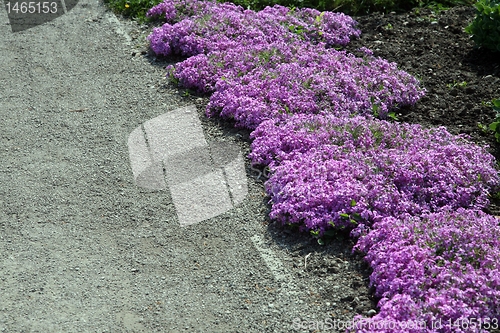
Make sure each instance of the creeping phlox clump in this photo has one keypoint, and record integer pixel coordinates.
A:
(307, 79)
(195, 27)
(442, 269)
(329, 171)
(261, 65)
(412, 196)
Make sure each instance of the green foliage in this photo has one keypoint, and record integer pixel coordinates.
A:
(485, 29)
(495, 125)
(137, 8)
(483, 128)
(392, 115)
(175, 80)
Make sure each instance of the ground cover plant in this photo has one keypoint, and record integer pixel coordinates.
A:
(325, 170)
(439, 268)
(284, 66)
(335, 166)
(194, 27)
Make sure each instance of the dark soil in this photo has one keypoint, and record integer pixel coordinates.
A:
(459, 78)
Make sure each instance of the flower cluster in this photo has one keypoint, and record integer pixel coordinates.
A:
(222, 26)
(440, 268)
(412, 196)
(260, 65)
(325, 170)
(306, 79)
(175, 11)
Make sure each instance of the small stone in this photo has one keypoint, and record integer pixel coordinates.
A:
(347, 299)
(333, 270)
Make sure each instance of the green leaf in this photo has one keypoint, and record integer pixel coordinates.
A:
(344, 215)
(392, 115)
(321, 241)
(353, 203)
(494, 125)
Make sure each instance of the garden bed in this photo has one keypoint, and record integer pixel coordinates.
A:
(334, 169)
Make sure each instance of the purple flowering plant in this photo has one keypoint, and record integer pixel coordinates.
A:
(259, 65)
(311, 79)
(324, 169)
(220, 26)
(412, 196)
(438, 268)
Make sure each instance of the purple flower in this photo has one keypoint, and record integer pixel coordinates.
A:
(444, 266)
(324, 167)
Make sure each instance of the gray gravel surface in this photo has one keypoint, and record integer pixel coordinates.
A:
(83, 249)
